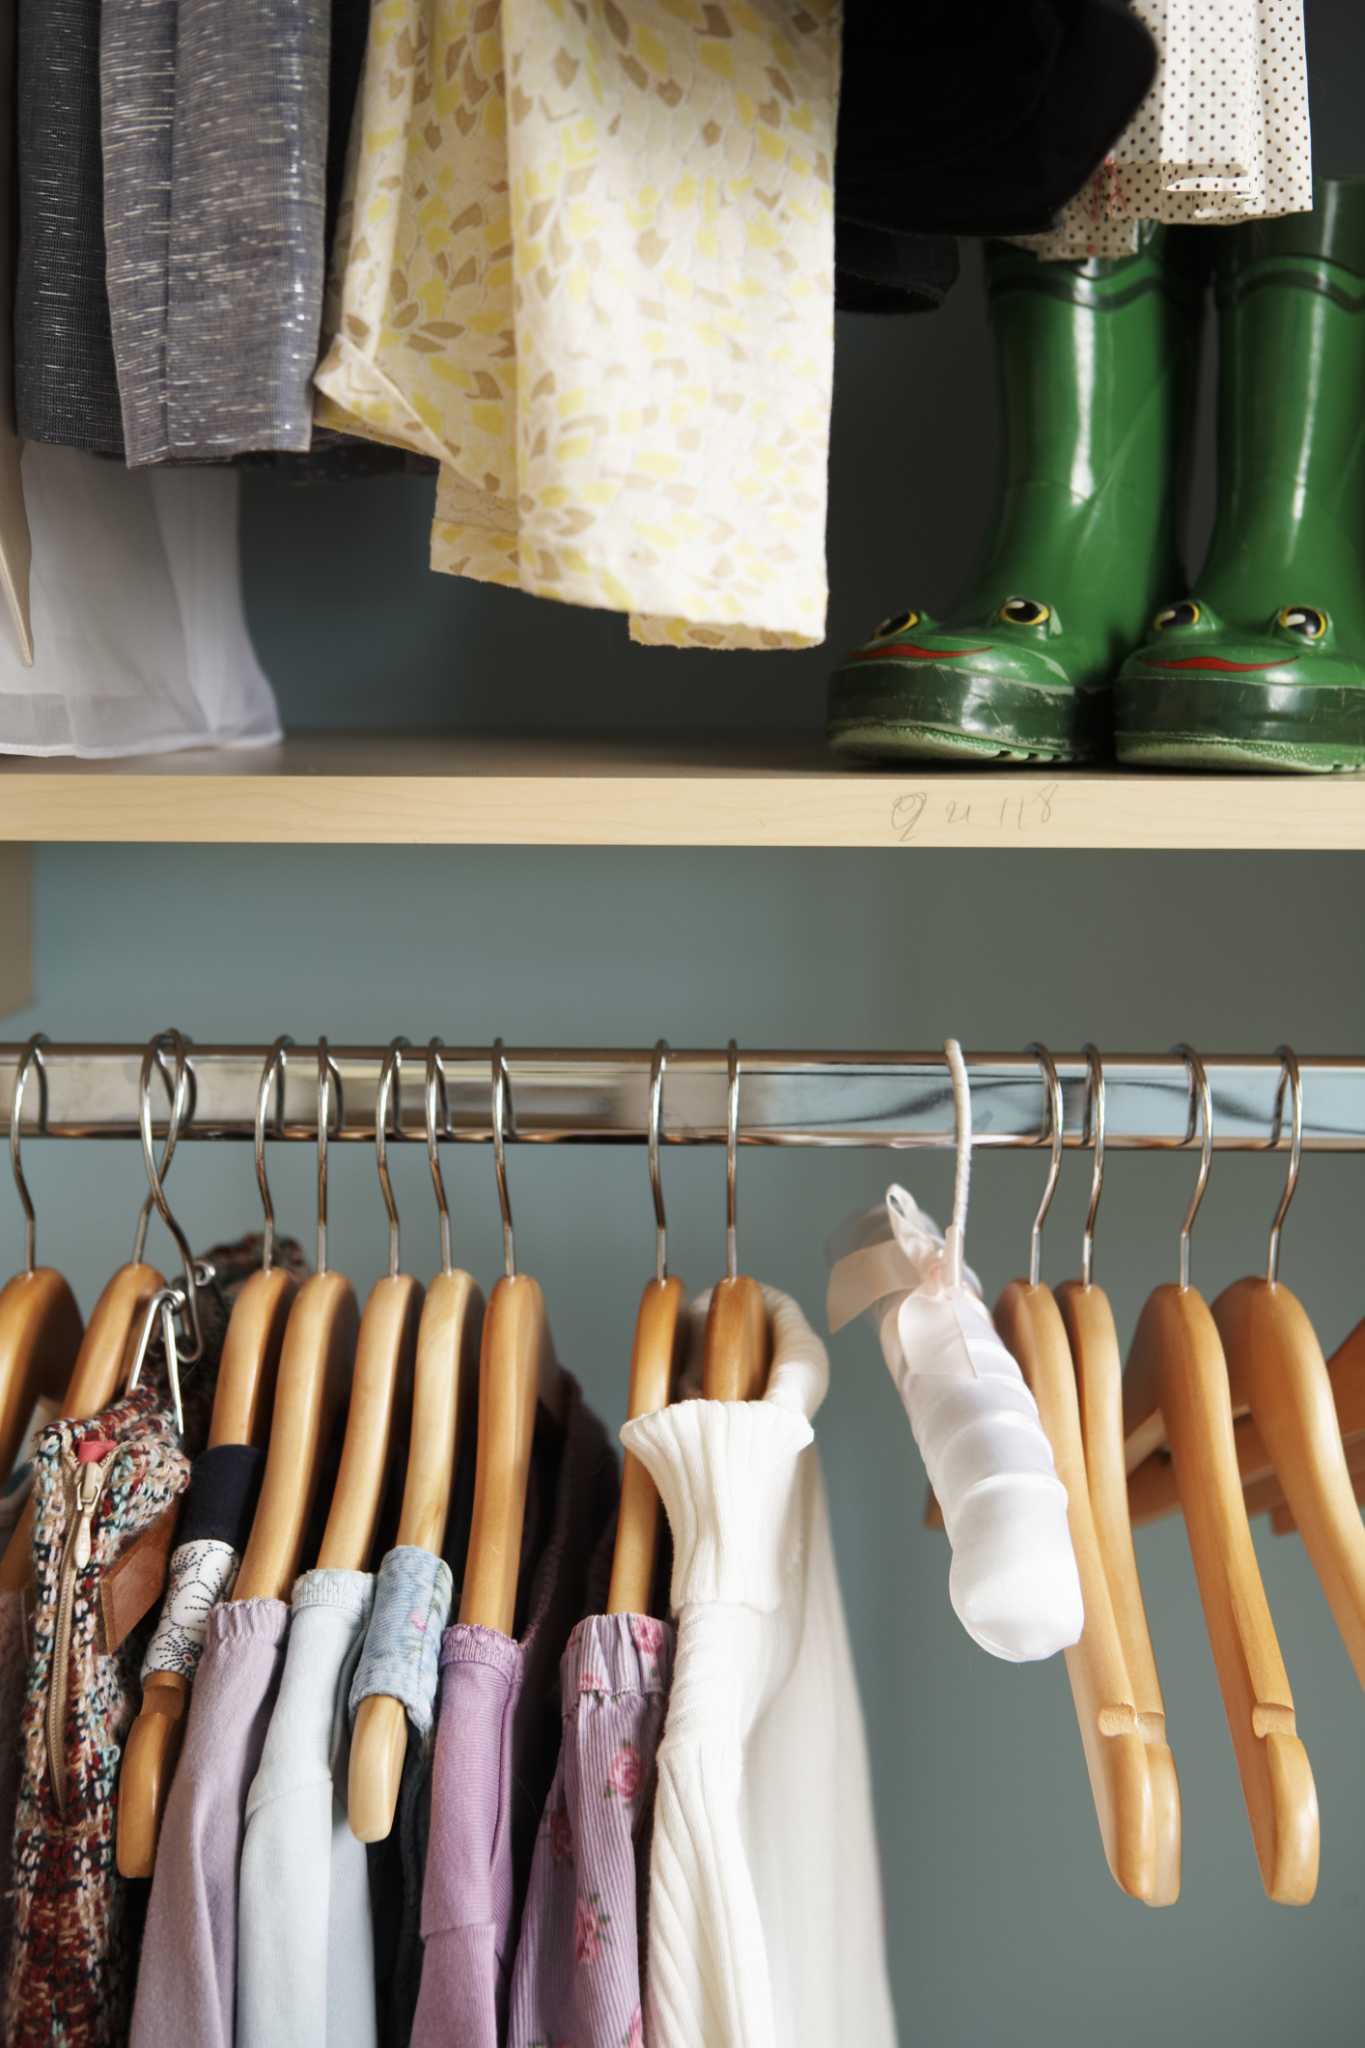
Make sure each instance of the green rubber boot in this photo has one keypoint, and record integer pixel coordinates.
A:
(1096, 363)
(1264, 665)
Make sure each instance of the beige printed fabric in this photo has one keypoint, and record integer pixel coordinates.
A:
(586, 260)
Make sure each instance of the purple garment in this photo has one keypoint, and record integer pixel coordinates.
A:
(496, 1743)
(187, 1981)
(577, 1975)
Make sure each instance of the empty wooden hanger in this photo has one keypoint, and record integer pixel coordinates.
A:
(656, 1362)
(517, 1372)
(737, 1347)
(314, 1368)
(1031, 1326)
(1089, 1324)
(444, 1397)
(1276, 1370)
(1176, 1387)
(105, 1357)
(243, 1392)
(40, 1324)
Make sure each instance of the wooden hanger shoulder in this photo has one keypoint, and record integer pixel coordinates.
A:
(40, 1337)
(1031, 1328)
(315, 1365)
(1177, 1361)
(737, 1347)
(381, 1378)
(444, 1396)
(512, 1358)
(655, 1365)
(250, 1361)
(1093, 1342)
(1276, 1368)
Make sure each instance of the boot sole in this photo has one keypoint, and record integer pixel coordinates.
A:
(931, 713)
(1223, 724)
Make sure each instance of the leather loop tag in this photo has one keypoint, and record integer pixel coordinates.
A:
(137, 1579)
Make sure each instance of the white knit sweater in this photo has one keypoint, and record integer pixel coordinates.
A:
(765, 1911)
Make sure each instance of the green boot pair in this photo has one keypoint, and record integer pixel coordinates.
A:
(1075, 638)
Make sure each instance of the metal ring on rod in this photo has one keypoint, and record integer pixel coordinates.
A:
(731, 1157)
(275, 1063)
(1289, 1072)
(390, 1078)
(656, 1185)
(436, 1082)
(502, 1089)
(1052, 1134)
(151, 1059)
(31, 1058)
(1093, 1134)
(329, 1081)
(1201, 1117)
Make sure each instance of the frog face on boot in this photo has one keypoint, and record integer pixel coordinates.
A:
(1205, 691)
(1000, 689)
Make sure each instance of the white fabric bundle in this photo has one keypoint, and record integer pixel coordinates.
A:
(1222, 135)
(1013, 1580)
(140, 643)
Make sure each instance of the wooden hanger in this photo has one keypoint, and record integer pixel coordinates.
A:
(517, 1371)
(40, 1324)
(444, 1395)
(1176, 1387)
(1094, 1345)
(737, 1347)
(1031, 1328)
(244, 1389)
(656, 1363)
(314, 1370)
(1277, 1370)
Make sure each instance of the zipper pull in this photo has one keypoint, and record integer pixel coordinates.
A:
(92, 1469)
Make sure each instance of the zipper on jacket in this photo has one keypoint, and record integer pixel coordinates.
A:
(87, 1471)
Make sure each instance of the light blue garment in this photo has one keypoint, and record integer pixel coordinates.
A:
(412, 1600)
(305, 1936)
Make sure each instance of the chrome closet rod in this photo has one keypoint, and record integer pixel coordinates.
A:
(600, 1095)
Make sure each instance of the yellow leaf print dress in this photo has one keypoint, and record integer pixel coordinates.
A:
(586, 261)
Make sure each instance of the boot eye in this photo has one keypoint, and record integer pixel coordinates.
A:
(1301, 618)
(897, 623)
(1024, 611)
(1186, 614)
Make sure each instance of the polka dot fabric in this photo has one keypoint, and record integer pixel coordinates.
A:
(1222, 136)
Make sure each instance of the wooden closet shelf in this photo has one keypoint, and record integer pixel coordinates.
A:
(475, 789)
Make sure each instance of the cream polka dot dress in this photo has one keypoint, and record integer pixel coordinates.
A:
(586, 261)
(1222, 135)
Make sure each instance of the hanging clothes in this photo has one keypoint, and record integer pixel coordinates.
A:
(105, 1491)
(765, 1914)
(494, 1760)
(577, 1974)
(305, 1937)
(214, 1524)
(1222, 135)
(586, 262)
(214, 150)
(140, 637)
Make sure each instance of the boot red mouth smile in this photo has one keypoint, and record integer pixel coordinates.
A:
(908, 647)
(1215, 661)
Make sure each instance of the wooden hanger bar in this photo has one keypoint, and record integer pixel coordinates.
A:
(598, 1094)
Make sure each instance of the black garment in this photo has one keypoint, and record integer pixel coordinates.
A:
(969, 117)
(221, 1499)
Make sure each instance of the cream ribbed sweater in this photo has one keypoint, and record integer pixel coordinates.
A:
(765, 1912)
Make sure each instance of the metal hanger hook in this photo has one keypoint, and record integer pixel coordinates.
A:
(1052, 1134)
(390, 1089)
(1094, 1132)
(178, 1098)
(181, 1098)
(329, 1086)
(731, 1157)
(275, 1062)
(436, 1086)
(1289, 1073)
(502, 1091)
(30, 1061)
(656, 1185)
(1201, 1119)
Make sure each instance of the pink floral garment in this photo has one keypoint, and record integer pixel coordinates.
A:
(577, 1980)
